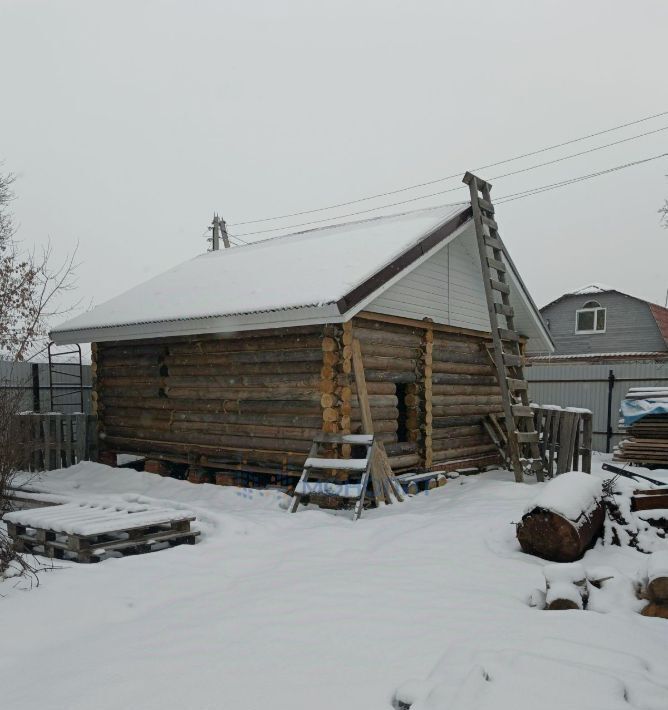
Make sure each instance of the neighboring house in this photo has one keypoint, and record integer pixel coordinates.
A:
(606, 342)
(235, 359)
(600, 319)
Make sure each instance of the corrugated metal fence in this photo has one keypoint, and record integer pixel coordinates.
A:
(599, 386)
(31, 381)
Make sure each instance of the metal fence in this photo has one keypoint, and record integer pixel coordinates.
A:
(31, 382)
(598, 386)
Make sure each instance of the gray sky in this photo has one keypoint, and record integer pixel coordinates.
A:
(129, 122)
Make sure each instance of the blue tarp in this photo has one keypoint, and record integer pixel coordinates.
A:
(634, 409)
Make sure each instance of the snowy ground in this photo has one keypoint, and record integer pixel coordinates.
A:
(277, 611)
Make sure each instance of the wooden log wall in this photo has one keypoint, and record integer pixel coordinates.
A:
(450, 386)
(392, 355)
(464, 392)
(253, 401)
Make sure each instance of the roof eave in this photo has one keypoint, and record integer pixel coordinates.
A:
(308, 315)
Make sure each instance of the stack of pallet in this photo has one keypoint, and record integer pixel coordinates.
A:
(647, 438)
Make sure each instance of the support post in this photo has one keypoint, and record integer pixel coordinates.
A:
(608, 429)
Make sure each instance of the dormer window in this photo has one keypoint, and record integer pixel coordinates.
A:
(590, 318)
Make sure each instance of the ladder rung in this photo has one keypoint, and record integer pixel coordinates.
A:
(512, 360)
(498, 286)
(498, 265)
(517, 385)
(522, 410)
(486, 205)
(527, 437)
(360, 439)
(509, 335)
(490, 222)
(339, 464)
(504, 310)
(494, 243)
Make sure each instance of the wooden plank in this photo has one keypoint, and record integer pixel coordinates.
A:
(46, 428)
(499, 286)
(485, 205)
(517, 385)
(360, 384)
(521, 410)
(67, 435)
(527, 437)
(496, 264)
(504, 310)
(511, 360)
(491, 223)
(587, 426)
(509, 335)
(58, 440)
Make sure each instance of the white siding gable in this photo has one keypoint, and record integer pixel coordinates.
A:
(447, 288)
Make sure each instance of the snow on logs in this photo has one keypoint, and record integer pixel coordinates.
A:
(565, 586)
(657, 585)
(564, 519)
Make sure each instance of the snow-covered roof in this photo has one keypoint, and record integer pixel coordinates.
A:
(317, 276)
(591, 288)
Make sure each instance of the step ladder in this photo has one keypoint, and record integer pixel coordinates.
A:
(316, 478)
(521, 433)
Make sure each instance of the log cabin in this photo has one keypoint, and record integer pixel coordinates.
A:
(231, 362)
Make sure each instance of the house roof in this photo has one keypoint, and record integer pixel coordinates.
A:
(659, 313)
(316, 276)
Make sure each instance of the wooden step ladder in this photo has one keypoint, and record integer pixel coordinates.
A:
(316, 478)
(522, 436)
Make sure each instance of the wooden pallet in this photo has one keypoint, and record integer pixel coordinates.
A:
(86, 532)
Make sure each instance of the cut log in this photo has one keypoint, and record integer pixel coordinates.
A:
(565, 586)
(565, 518)
(657, 577)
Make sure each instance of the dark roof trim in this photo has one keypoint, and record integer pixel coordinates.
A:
(366, 288)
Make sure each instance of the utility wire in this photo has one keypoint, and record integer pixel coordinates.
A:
(450, 177)
(553, 186)
(502, 199)
(451, 189)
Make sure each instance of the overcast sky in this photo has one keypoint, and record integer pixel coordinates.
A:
(129, 122)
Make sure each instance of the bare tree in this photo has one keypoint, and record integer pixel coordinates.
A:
(30, 290)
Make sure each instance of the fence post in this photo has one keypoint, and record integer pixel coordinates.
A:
(608, 429)
(35, 387)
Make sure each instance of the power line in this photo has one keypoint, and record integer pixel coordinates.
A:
(451, 189)
(454, 175)
(511, 197)
(553, 186)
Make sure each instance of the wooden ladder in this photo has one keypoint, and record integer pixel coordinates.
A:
(318, 471)
(522, 436)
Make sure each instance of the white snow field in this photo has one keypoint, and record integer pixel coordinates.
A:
(273, 611)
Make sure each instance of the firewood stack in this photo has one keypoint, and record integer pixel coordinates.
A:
(647, 438)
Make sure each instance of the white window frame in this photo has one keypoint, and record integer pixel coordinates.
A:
(595, 310)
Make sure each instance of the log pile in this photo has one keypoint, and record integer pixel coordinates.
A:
(564, 519)
(646, 443)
